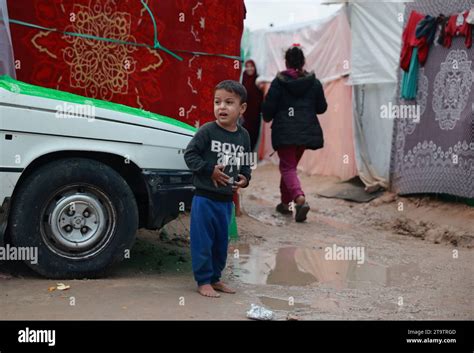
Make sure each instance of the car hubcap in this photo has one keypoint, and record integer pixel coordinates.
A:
(78, 221)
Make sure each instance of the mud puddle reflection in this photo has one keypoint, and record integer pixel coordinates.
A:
(293, 266)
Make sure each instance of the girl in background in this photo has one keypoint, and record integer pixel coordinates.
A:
(294, 99)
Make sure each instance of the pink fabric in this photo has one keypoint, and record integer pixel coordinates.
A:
(326, 44)
(290, 186)
(337, 158)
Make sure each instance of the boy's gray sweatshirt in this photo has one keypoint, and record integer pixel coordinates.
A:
(214, 145)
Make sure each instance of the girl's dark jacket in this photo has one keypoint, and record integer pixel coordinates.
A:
(292, 104)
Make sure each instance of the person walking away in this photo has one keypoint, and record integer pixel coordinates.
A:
(293, 101)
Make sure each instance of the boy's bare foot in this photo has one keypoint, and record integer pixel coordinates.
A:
(207, 290)
(222, 287)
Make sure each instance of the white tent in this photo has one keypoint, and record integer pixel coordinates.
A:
(376, 30)
(361, 40)
(326, 44)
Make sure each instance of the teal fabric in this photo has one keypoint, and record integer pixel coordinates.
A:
(410, 78)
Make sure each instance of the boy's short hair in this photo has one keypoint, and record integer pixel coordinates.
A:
(234, 87)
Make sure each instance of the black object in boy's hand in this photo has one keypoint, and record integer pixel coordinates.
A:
(240, 182)
(219, 177)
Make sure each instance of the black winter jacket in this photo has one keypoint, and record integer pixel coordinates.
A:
(292, 104)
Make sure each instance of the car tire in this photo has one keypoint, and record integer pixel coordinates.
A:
(79, 214)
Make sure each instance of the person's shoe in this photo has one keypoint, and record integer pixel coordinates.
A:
(283, 209)
(301, 212)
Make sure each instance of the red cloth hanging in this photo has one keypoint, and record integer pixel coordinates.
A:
(410, 41)
(135, 76)
(452, 30)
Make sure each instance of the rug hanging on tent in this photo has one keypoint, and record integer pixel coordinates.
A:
(61, 44)
(435, 153)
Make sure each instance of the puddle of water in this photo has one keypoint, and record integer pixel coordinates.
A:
(292, 266)
(250, 264)
(286, 272)
(281, 304)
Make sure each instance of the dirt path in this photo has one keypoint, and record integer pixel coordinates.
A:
(418, 264)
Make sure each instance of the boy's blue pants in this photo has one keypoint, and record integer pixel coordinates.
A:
(209, 238)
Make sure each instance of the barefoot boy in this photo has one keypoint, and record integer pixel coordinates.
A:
(215, 157)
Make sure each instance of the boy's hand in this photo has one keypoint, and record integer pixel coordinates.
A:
(219, 177)
(239, 184)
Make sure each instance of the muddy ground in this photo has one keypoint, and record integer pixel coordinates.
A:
(418, 264)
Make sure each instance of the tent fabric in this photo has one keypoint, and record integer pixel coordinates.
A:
(372, 133)
(376, 29)
(140, 77)
(436, 155)
(376, 41)
(7, 66)
(326, 44)
(337, 157)
(327, 48)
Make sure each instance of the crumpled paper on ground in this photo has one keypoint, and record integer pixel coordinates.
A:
(257, 312)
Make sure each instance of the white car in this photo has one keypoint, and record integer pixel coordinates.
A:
(79, 176)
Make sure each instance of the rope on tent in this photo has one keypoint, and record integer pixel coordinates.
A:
(156, 43)
(159, 46)
(90, 36)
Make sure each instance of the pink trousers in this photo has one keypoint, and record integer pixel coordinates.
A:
(290, 186)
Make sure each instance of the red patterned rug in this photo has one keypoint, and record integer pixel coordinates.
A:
(138, 76)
